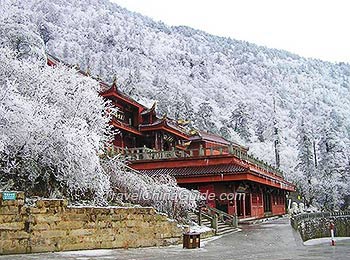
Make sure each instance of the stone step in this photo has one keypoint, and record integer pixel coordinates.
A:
(223, 228)
(226, 231)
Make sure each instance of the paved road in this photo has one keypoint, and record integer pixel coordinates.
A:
(271, 240)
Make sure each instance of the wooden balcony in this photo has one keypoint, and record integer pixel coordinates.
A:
(144, 153)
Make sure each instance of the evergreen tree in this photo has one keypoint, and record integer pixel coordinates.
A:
(239, 120)
(204, 118)
(305, 165)
(333, 163)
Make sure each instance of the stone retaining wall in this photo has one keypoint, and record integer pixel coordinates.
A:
(316, 225)
(51, 225)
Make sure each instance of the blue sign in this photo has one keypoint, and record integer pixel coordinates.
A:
(9, 195)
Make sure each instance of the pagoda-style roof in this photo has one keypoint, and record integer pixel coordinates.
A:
(151, 110)
(125, 127)
(215, 139)
(167, 125)
(204, 136)
(184, 172)
(114, 92)
(211, 168)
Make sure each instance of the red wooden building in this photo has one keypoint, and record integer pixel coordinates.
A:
(157, 145)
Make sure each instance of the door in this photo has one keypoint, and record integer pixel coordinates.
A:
(267, 202)
(248, 205)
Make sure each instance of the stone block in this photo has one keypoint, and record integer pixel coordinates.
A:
(40, 226)
(49, 233)
(16, 203)
(11, 226)
(50, 203)
(43, 248)
(131, 223)
(47, 218)
(103, 224)
(14, 235)
(11, 218)
(70, 225)
(34, 210)
(9, 210)
(70, 216)
(79, 246)
(81, 232)
(110, 244)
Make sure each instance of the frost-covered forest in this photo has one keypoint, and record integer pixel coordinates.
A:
(291, 111)
(53, 135)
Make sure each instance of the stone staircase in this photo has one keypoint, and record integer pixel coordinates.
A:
(215, 219)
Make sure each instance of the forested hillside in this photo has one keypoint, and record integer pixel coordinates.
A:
(291, 111)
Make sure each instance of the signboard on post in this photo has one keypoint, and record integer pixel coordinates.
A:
(8, 195)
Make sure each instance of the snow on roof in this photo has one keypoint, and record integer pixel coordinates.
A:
(209, 137)
(205, 136)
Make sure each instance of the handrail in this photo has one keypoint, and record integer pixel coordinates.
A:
(214, 215)
(144, 153)
(223, 216)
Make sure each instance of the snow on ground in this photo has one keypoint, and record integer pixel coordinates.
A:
(199, 229)
(204, 242)
(93, 252)
(325, 240)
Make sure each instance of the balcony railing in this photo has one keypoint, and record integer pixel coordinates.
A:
(144, 153)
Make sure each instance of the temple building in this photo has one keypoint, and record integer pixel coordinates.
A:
(156, 145)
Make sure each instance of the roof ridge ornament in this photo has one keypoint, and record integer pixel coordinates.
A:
(154, 106)
(114, 83)
(88, 71)
(164, 116)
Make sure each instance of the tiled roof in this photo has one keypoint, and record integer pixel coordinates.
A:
(196, 171)
(204, 136)
(210, 137)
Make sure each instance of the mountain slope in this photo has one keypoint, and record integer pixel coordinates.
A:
(258, 96)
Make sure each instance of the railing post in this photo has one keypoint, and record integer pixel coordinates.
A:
(126, 153)
(201, 151)
(235, 221)
(214, 223)
(200, 216)
(230, 149)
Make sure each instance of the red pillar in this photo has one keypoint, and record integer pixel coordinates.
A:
(243, 206)
(235, 201)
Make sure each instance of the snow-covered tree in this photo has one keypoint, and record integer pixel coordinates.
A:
(239, 120)
(305, 170)
(204, 118)
(333, 163)
(160, 192)
(52, 129)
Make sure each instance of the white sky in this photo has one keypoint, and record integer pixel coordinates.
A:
(310, 28)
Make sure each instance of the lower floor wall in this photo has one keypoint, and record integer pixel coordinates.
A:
(245, 199)
(52, 226)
